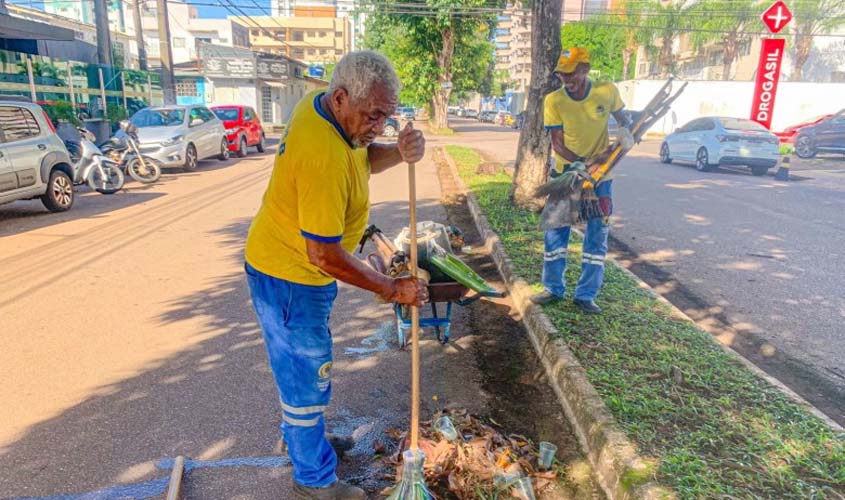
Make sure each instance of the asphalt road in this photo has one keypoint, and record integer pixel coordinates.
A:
(128, 339)
(757, 262)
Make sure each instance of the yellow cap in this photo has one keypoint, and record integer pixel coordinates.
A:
(570, 58)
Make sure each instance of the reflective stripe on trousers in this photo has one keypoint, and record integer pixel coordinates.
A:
(594, 252)
(295, 321)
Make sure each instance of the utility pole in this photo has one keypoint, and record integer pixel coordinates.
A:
(139, 34)
(167, 80)
(101, 19)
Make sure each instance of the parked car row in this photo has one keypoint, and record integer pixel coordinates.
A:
(36, 163)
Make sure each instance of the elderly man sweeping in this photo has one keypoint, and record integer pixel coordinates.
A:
(577, 115)
(314, 212)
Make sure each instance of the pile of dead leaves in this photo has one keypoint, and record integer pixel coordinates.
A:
(465, 468)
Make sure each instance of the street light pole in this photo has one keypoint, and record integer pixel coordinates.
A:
(167, 81)
(101, 17)
(139, 34)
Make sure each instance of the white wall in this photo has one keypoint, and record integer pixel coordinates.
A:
(795, 102)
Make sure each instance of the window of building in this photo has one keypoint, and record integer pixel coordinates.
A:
(298, 36)
(298, 53)
(322, 34)
(338, 34)
(323, 52)
(338, 52)
(187, 88)
(280, 35)
(256, 32)
(311, 52)
(311, 34)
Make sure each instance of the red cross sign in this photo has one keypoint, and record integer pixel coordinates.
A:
(777, 16)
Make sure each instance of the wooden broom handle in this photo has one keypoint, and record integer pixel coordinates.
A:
(415, 315)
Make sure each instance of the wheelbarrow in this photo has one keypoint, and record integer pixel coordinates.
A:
(455, 283)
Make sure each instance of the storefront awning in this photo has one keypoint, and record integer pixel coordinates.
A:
(270, 83)
(15, 28)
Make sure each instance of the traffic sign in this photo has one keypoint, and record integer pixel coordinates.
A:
(777, 16)
(768, 76)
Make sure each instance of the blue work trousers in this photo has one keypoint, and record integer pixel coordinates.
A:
(594, 251)
(295, 322)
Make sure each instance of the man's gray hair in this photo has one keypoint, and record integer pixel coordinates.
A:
(359, 71)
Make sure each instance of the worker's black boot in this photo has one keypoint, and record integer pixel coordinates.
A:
(545, 297)
(338, 491)
(588, 306)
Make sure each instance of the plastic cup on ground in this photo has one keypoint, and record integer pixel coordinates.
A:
(444, 426)
(547, 454)
(523, 489)
(505, 479)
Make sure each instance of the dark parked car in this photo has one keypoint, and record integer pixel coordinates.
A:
(791, 132)
(391, 127)
(827, 136)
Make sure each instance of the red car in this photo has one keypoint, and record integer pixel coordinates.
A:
(789, 133)
(243, 128)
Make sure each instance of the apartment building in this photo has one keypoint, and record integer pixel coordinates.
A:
(313, 40)
(187, 31)
(513, 46)
(345, 9)
(313, 8)
(578, 10)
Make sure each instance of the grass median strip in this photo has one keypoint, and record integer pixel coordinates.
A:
(715, 428)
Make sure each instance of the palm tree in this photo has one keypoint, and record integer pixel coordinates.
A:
(629, 14)
(667, 19)
(724, 21)
(812, 17)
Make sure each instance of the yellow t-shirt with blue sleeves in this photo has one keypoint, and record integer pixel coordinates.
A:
(318, 190)
(584, 122)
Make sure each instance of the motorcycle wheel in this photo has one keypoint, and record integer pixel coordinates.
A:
(110, 185)
(138, 172)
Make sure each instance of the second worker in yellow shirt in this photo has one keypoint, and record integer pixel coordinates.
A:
(577, 116)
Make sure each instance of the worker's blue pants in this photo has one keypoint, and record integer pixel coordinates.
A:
(295, 322)
(594, 251)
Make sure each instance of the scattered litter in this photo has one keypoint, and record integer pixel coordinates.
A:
(375, 343)
(482, 462)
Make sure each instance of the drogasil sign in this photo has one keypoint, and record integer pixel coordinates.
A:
(768, 76)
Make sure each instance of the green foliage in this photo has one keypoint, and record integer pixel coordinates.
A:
(329, 71)
(61, 111)
(715, 428)
(605, 44)
(115, 114)
(414, 43)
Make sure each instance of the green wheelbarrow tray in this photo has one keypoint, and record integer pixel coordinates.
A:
(465, 278)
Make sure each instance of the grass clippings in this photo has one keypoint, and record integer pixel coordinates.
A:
(716, 429)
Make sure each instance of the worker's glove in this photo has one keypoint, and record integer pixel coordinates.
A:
(625, 138)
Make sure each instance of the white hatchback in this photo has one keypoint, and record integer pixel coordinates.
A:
(712, 141)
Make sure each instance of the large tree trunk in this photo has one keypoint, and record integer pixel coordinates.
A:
(666, 58)
(803, 45)
(444, 79)
(532, 157)
(626, 59)
(730, 49)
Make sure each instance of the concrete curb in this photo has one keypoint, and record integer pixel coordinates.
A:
(620, 471)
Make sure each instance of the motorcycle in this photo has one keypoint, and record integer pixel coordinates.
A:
(91, 166)
(123, 149)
